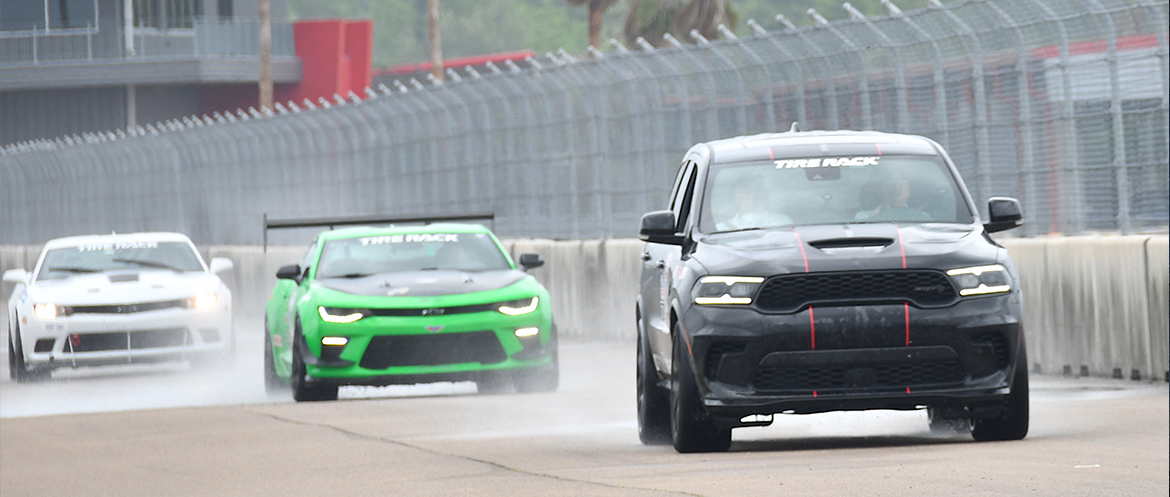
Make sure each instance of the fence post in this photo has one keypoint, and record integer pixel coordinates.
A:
(1163, 55)
(769, 98)
(740, 100)
(1025, 113)
(1068, 117)
(760, 32)
(685, 101)
(940, 88)
(982, 145)
(1120, 166)
(830, 80)
(863, 77)
(899, 66)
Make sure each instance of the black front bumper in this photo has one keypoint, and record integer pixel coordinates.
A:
(855, 358)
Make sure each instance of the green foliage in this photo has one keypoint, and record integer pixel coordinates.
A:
(651, 19)
(474, 27)
(764, 11)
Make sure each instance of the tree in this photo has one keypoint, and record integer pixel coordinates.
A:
(651, 19)
(596, 9)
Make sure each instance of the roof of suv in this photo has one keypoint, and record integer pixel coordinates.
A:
(772, 145)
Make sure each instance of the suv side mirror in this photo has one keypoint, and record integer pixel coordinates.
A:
(530, 260)
(220, 264)
(1005, 214)
(658, 227)
(290, 272)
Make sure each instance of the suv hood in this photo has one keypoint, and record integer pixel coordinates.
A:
(844, 248)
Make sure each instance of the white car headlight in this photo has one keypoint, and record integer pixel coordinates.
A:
(518, 307)
(48, 311)
(981, 280)
(202, 301)
(726, 290)
(338, 315)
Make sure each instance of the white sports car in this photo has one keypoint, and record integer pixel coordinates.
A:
(117, 299)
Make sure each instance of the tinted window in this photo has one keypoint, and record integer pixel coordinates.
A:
(831, 190)
(354, 257)
(105, 256)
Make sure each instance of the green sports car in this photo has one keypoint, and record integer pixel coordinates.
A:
(403, 305)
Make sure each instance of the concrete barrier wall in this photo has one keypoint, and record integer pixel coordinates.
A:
(1093, 305)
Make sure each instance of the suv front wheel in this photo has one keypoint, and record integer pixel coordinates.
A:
(653, 404)
(691, 427)
(1013, 423)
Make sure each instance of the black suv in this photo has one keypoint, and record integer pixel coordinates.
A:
(807, 272)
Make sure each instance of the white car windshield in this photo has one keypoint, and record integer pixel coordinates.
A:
(831, 190)
(364, 256)
(99, 257)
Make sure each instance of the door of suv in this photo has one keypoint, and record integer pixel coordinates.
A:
(658, 262)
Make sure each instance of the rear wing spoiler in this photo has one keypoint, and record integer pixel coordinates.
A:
(333, 222)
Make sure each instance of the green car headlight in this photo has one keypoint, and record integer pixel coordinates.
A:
(725, 290)
(339, 315)
(981, 280)
(519, 307)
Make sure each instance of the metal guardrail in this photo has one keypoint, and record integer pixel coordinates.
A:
(1060, 103)
(205, 38)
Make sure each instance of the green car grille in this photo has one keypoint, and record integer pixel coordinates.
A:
(435, 311)
(432, 350)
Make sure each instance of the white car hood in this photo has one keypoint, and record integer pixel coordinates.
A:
(147, 286)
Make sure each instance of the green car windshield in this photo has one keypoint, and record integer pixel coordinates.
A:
(118, 256)
(364, 256)
(838, 190)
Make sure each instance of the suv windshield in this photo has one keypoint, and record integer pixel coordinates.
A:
(118, 256)
(358, 257)
(831, 190)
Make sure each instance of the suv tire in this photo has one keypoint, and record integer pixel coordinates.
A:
(1013, 423)
(691, 427)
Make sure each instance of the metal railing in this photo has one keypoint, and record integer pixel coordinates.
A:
(1061, 103)
(209, 37)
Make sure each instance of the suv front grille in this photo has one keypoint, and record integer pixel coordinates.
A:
(829, 379)
(793, 292)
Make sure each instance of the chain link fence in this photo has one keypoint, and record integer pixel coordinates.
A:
(1060, 103)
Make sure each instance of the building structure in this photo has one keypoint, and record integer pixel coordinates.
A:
(75, 66)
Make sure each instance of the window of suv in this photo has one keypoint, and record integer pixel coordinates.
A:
(831, 190)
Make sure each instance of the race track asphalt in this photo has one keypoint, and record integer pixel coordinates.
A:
(168, 430)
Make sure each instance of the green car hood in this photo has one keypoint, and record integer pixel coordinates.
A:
(424, 283)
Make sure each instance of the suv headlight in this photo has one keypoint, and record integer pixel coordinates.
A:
(981, 280)
(724, 290)
(339, 315)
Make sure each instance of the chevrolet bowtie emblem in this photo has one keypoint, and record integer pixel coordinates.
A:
(435, 329)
